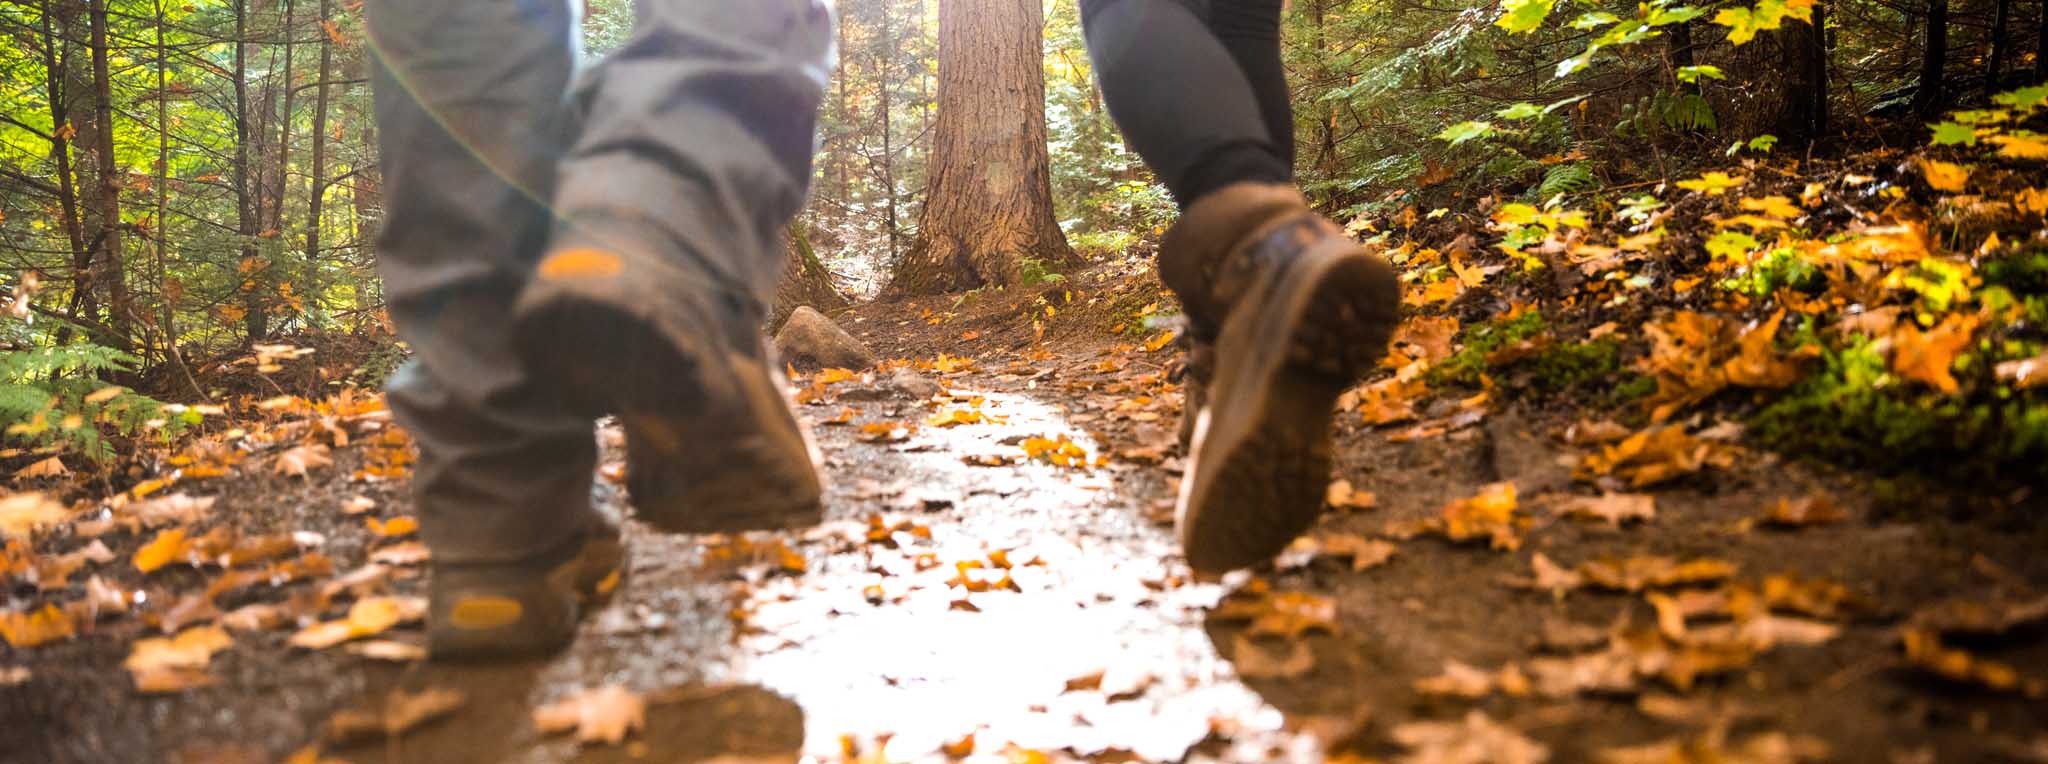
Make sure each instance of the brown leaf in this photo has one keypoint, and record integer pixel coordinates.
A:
(1978, 618)
(299, 460)
(368, 617)
(1614, 508)
(387, 650)
(399, 713)
(605, 714)
(22, 513)
(1711, 746)
(36, 627)
(1341, 496)
(1757, 362)
(1287, 614)
(1930, 356)
(47, 468)
(401, 554)
(1925, 652)
(1364, 553)
(1812, 510)
(171, 664)
(1650, 457)
(1478, 739)
(1464, 681)
(1254, 661)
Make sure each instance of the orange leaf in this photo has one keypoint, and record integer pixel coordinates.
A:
(165, 548)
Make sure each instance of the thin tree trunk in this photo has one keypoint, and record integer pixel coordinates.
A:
(1932, 96)
(1994, 64)
(887, 47)
(2041, 46)
(988, 193)
(60, 153)
(284, 130)
(319, 168)
(109, 269)
(1679, 45)
(1804, 61)
(254, 323)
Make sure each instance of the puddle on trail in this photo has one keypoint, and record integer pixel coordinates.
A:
(1025, 603)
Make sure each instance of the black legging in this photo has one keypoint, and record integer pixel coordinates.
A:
(1197, 88)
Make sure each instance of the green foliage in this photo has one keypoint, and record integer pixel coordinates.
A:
(1035, 272)
(1480, 341)
(1783, 268)
(51, 398)
(1573, 178)
(1855, 411)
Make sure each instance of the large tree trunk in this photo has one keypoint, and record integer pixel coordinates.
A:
(988, 198)
(1804, 53)
(805, 280)
(1932, 96)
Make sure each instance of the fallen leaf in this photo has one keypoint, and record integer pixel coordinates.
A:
(1364, 553)
(171, 664)
(387, 650)
(392, 528)
(1489, 515)
(160, 551)
(36, 627)
(1465, 681)
(299, 460)
(606, 714)
(1711, 746)
(1340, 495)
(1981, 618)
(1812, 510)
(1930, 356)
(402, 554)
(1478, 739)
(1925, 651)
(357, 505)
(47, 468)
(1288, 615)
(367, 617)
(1613, 508)
(1650, 457)
(1254, 661)
(22, 513)
(1943, 176)
(399, 712)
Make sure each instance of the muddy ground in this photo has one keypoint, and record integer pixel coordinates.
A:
(962, 586)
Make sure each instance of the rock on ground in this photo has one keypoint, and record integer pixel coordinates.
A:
(809, 340)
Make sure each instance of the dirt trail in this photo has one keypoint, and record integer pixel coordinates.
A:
(974, 579)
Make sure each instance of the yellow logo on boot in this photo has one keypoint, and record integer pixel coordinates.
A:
(581, 263)
(485, 613)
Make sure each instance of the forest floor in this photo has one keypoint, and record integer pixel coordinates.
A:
(1585, 512)
(981, 592)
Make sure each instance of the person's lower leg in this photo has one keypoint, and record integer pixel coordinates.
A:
(1180, 98)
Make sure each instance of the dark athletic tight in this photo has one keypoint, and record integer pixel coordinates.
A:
(1197, 88)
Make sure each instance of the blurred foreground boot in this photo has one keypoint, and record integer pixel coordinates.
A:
(1293, 312)
(711, 442)
(525, 608)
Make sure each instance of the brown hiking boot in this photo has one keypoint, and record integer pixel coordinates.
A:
(712, 444)
(521, 609)
(1296, 312)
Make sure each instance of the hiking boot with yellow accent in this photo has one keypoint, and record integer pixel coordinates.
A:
(712, 443)
(522, 609)
(1296, 312)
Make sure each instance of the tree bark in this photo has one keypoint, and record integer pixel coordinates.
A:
(1804, 53)
(1994, 64)
(319, 168)
(108, 266)
(255, 325)
(60, 153)
(805, 280)
(1932, 96)
(884, 52)
(284, 120)
(988, 194)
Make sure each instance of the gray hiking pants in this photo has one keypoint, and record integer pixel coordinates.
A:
(698, 133)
